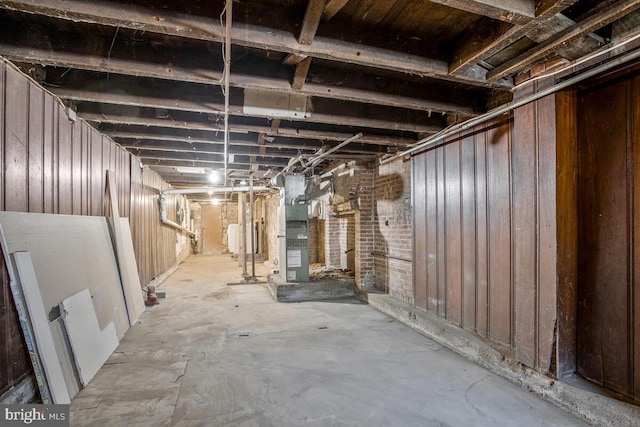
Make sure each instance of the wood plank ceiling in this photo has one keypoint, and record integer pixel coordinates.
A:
(149, 74)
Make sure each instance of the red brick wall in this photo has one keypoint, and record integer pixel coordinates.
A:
(392, 230)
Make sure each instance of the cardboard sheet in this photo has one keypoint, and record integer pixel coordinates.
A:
(91, 346)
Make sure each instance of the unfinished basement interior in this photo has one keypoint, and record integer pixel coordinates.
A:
(321, 212)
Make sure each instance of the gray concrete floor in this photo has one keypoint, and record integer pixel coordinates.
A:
(218, 355)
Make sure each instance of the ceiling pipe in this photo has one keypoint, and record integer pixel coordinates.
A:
(207, 190)
(315, 160)
(433, 141)
(166, 221)
(227, 70)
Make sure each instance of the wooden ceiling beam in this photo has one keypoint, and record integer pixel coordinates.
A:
(243, 129)
(131, 67)
(311, 21)
(136, 149)
(484, 42)
(299, 77)
(137, 139)
(604, 17)
(517, 12)
(207, 158)
(333, 7)
(330, 112)
(210, 29)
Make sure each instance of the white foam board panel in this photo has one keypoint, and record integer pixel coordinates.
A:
(129, 271)
(91, 346)
(40, 323)
(70, 253)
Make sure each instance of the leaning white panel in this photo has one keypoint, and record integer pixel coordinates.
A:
(70, 253)
(129, 272)
(39, 320)
(91, 346)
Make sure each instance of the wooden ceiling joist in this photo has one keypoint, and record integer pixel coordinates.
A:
(482, 43)
(209, 29)
(332, 7)
(614, 12)
(323, 112)
(243, 129)
(312, 17)
(133, 67)
(517, 12)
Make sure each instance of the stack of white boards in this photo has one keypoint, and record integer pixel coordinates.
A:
(79, 300)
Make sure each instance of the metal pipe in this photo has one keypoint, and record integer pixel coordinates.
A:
(227, 71)
(251, 219)
(431, 141)
(314, 161)
(243, 233)
(166, 221)
(205, 190)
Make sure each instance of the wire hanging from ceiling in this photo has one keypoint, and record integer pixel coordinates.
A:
(227, 13)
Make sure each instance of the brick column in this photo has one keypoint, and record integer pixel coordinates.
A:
(365, 277)
(332, 241)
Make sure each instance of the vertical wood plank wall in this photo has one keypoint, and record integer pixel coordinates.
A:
(485, 208)
(464, 272)
(51, 165)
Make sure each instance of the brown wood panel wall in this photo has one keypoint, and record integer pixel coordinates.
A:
(51, 165)
(462, 199)
(535, 241)
(155, 243)
(608, 232)
(489, 223)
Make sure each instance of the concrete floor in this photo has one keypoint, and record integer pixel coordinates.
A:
(218, 355)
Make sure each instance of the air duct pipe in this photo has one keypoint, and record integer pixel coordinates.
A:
(207, 190)
(202, 190)
(166, 221)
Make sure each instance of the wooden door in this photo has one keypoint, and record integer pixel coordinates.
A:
(608, 325)
(211, 229)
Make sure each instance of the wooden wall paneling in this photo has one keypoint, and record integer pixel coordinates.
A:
(85, 172)
(431, 215)
(420, 257)
(97, 175)
(635, 288)
(525, 215)
(603, 237)
(441, 235)
(500, 257)
(4, 282)
(65, 196)
(482, 236)
(55, 156)
(547, 232)
(35, 163)
(453, 232)
(76, 168)
(3, 119)
(567, 230)
(48, 150)
(105, 143)
(16, 364)
(5, 337)
(125, 180)
(469, 232)
(16, 143)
